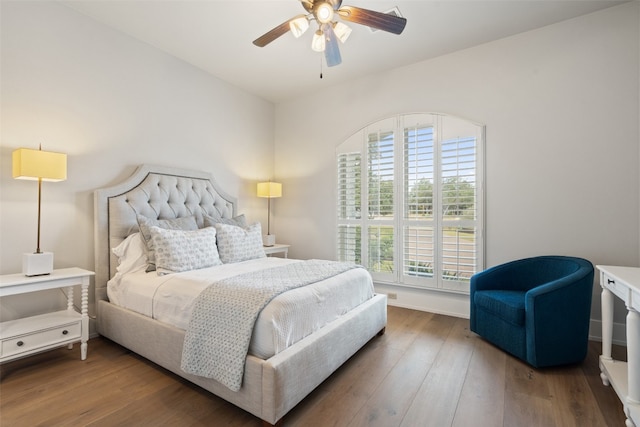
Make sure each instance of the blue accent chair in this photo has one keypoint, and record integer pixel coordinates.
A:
(537, 309)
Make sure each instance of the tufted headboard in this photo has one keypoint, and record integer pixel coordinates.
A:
(156, 192)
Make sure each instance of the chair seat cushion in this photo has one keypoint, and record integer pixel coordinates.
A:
(507, 305)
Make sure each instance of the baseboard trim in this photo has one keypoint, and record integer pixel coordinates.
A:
(619, 332)
(447, 303)
(457, 305)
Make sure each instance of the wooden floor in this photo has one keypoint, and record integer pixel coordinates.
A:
(427, 370)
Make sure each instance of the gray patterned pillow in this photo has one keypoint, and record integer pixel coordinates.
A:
(184, 250)
(237, 244)
(184, 223)
(240, 221)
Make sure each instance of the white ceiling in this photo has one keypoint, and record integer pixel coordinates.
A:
(217, 35)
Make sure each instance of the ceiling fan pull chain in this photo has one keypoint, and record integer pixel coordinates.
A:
(321, 66)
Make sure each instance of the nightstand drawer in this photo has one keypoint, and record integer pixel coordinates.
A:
(40, 339)
(619, 289)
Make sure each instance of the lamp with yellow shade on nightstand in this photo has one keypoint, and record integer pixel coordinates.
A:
(270, 190)
(39, 166)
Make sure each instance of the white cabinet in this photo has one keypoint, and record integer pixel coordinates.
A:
(624, 377)
(29, 335)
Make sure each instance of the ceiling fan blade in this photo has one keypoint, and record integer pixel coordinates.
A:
(278, 31)
(378, 20)
(331, 51)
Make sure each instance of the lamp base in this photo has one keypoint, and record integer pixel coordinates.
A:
(268, 239)
(37, 264)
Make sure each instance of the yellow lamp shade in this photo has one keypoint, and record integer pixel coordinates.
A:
(269, 189)
(38, 164)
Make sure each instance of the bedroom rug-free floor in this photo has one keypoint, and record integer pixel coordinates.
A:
(426, 370)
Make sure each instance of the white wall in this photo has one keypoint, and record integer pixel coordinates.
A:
(111, 103)
(561, 109)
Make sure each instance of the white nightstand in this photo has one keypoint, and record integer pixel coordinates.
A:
(277, 249)
(29, 335)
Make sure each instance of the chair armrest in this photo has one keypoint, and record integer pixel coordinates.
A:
(557, 317)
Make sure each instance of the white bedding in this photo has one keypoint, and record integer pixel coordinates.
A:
(285, 320)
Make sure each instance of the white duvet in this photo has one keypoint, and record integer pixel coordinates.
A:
(287, 319)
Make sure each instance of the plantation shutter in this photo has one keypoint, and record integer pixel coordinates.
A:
(381, 203)
(460, 203)
(418, 257)
(410, 201)
(349, 207)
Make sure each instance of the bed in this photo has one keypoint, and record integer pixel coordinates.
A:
(271, 386)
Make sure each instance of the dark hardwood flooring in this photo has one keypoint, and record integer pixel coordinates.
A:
(427, 370)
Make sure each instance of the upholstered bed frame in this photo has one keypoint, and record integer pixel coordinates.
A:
(272, 387)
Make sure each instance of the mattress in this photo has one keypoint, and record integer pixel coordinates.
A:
(287, 319)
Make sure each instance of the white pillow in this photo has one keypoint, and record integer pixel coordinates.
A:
(237, 244)
(131, 253)
(182, 223)
(184, 250)
(210, 221)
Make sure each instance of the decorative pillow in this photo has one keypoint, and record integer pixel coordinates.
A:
(240, 221)
(237, 244)
(131, 253)
(184, 250)
(184, 223)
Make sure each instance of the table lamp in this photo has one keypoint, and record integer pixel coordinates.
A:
(39, 166)
(270, 190)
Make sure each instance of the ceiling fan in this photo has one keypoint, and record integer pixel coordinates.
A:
(326, 37)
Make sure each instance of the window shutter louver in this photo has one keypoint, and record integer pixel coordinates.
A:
(380, 232)
(458, 159)
(349, 244)
(349, 207)
(418, 252)
(418, 172)
(381, 173)
(349, 186)
(458, 178)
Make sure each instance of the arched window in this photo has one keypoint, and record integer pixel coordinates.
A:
(410, 200)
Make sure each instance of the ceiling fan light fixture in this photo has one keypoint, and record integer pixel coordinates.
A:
(318, 43)
(325, 38)
(324, 13)
(298, 26)
(341, 31)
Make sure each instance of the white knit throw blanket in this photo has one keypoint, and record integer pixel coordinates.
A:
(219, 332)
